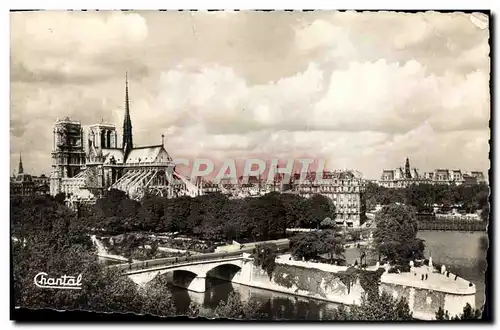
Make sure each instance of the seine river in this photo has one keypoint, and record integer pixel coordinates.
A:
(463, 253)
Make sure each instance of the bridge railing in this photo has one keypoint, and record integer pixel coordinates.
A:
(194, 258)
(148, 267)
(175, 260)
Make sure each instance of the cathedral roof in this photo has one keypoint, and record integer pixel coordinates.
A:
(23, 178)
(112, 152)
(146, 154)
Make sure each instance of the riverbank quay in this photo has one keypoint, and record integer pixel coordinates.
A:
(344, 285)
(450, 225)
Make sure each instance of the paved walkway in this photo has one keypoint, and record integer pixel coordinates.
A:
(102, 252)
(435, 281)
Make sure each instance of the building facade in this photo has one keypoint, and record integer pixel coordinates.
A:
(344, 188)
(22, 184)
(68, 154)
(403, 177)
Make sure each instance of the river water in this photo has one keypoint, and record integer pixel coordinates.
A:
(463, 253)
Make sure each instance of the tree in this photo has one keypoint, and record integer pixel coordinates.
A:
(154, 249)
(151, 212)
(234, 308)
(265, 257)
(116, 213)
(305, 245)
(355, 234)
(311, 245)
(379, 308)
(277, 214)
(294, 212)
(60, 197)
(48, 240)
(485, 212)
(328, 223)
(157, 299)
(424, 196)
(240, 224)
(442, 315)
(331, 243)
(395, 237)
(209, 213)
(468, 314)
(420, 196)
(316, 208)
(193, 310)
(177, 211)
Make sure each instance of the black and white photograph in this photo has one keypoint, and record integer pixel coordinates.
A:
(251, 165)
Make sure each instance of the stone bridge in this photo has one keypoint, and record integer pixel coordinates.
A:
(189, 273)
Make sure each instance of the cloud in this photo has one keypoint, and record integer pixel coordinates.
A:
(347, 87)
(63, 45)
(438, 41)
(371, 96)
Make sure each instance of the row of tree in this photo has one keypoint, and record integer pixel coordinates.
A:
(395, 239)
(212, 217)
(471, 198)
(47, 237)
(312, 245)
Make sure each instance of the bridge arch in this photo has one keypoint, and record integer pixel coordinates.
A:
(190, 275)
(224, 272)
(182, 278)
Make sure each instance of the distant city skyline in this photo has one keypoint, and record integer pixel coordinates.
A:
(346, 87)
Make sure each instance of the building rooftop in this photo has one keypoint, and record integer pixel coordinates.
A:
(67, 120)
(23, 177)
(146, 154)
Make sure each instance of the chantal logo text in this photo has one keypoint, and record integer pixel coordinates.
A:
(42, 280)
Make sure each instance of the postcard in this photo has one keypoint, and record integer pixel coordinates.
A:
(256, 165)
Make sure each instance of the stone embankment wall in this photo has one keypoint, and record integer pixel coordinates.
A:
(322, 281)
(424, 303)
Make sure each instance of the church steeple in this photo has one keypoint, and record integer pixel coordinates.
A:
(127, 124)
(20, 169)
(407, 169)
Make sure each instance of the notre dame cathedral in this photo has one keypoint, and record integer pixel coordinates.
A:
(84, 170)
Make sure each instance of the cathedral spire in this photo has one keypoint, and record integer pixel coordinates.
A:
(127, 123)
(20, 169)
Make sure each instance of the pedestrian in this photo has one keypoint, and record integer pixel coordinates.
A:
(456, 276)
(422, 277)
(426, 276)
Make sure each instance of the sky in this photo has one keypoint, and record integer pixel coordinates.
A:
(361, 90)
